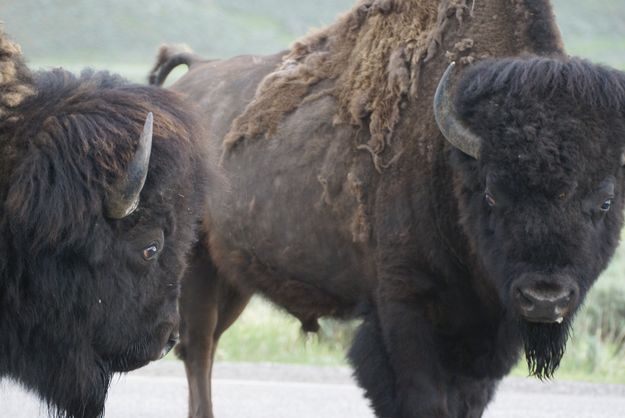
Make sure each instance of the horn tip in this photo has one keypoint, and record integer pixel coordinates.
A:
(450, 67)
(147, 127)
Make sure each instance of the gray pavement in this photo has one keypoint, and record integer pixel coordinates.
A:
(279, 391)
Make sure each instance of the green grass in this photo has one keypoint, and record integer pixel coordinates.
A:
(265, 334)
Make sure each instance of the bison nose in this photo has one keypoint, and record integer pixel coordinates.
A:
(542, 301)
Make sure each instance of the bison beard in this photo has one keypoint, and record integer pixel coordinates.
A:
(90, 402)
(545, 345)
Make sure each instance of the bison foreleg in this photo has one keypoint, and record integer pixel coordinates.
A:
(371, 365)
(420, 386)
(469, 397)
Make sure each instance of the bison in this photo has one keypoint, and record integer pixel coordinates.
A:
(463, 216)
(102, 185)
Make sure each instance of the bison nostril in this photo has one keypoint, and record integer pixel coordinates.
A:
(525, 302)
(572, 294)
(567, 299)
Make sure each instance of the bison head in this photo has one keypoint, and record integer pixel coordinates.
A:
(101, 195)
(538, 152)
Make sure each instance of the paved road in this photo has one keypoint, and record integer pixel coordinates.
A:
(263, 391)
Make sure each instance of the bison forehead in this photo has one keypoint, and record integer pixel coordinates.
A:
(540, 79)
(544, 118)
(550, 151)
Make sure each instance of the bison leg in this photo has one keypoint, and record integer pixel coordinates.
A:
(208, 306)
(472, 396)
(371, 360)
(371, 365)
(420, 386)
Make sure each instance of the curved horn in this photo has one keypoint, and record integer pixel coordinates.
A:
(123, 198)
(448, 121)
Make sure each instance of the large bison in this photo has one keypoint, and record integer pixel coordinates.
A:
(462, 233)
(101, 189)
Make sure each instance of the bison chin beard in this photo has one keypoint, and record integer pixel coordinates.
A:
(545, 345)
(78, 392)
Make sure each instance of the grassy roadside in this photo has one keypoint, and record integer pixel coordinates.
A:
(266, 334)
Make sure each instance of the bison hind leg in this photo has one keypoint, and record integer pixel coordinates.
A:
(372, 368)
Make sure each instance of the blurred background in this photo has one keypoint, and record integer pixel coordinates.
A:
(123, 36)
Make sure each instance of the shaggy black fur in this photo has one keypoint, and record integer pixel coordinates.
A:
(553, 136)
(544, 346)
(78, 301)
(371, 365)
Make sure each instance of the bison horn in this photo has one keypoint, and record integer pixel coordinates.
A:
(450, 125)
(123, 198)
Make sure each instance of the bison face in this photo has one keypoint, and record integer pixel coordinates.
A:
(97, 222)
(542, 190)
(142, 325)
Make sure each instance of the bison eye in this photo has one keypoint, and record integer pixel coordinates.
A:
(490, 199)
(150, 252)
(606, 205)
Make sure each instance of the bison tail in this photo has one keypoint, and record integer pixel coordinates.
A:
(168, 58)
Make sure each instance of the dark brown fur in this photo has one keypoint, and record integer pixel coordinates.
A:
(405, 241)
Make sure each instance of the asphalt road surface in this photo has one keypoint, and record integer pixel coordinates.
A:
(277, 391)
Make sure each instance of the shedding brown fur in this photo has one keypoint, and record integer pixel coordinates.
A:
(373, 53)
(373, 57)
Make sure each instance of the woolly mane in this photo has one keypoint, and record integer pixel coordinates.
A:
(15, 80)
(373, 57)
(370, 53)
